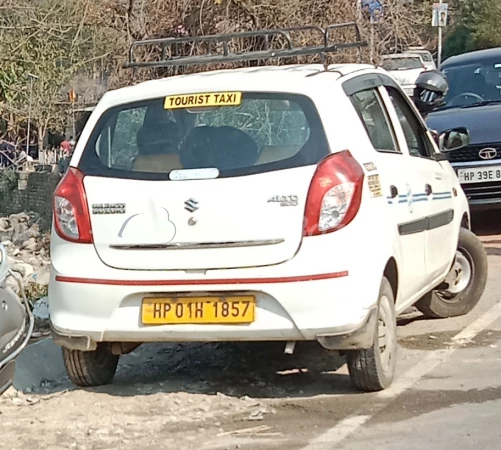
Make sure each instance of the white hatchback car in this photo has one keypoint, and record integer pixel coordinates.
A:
(280, 203)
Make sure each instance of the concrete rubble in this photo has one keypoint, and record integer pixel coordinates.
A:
(29, 256)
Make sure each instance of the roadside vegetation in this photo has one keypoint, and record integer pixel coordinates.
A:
(476, 26)
(82, 44)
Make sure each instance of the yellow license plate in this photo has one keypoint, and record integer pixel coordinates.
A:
(195, 310)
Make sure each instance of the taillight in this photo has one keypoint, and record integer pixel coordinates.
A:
(71, 213)
(335, 194)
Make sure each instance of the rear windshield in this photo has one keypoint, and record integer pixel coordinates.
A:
(402, 63)
(424, 55)
(236, 133)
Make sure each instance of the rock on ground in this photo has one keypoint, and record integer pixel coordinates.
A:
(27, 248)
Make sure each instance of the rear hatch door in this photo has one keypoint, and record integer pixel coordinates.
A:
(204, 186)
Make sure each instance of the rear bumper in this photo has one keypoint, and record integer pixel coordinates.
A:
(325, 310)
(328, 297)
(349, 337)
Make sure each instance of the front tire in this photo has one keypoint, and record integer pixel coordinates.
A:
(466, 281)
(374, 369)
(93, 368)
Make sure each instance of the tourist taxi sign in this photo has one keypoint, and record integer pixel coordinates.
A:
(203, 100)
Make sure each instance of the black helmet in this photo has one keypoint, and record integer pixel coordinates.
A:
(430, 91)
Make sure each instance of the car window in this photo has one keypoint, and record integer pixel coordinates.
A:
(263, 132)
(425, 56)
(372, 113)
(473, 83)
(415, 134)
(117, 147)
(402, 63)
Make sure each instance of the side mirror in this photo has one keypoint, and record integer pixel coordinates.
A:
(454, 139)
(436, 137)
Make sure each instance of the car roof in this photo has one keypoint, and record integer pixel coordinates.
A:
(473, 57)
(287, 78)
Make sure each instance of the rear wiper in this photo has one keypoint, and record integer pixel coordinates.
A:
(482, 103)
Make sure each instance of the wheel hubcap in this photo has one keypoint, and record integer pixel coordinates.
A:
(460, 275)
(386, 333)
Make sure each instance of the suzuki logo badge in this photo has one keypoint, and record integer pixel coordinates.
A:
(191, 205)
(488, 153)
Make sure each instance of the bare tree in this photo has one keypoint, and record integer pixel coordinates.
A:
(53, 40)
(72, 43)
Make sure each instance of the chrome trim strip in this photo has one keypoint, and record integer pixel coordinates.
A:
(198, 245)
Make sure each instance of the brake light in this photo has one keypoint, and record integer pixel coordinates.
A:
(71, 213)
(335, 194)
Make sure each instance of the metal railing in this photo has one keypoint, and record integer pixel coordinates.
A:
(19, 161)
(49, 156)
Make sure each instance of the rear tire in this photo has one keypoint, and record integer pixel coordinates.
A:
(471, 264)
(374, 369)
(94, 368)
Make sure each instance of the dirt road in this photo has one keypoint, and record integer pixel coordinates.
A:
(253, 396)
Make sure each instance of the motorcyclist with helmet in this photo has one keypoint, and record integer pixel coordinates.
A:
(430, 91)
(429, 94)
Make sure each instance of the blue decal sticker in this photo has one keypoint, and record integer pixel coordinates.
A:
(442, 195)
(410, 198)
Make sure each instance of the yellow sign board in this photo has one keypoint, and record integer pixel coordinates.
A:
(203, 100)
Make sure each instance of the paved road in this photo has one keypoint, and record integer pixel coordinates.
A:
(447, 394)
(251, 396)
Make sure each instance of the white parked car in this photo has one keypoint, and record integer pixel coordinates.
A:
(425, 56)
(276, 203)
(404, 68)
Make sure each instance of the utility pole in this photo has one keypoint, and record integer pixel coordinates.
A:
(372, 42)
(440, 37)
(32, 79)
(73, 97)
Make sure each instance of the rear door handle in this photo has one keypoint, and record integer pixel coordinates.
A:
(393, 191)
(428, 189)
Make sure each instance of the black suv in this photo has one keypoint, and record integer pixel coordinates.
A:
(474, 102)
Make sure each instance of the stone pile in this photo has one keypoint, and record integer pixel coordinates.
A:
(27, 248)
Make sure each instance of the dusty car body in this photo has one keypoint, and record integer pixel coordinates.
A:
(425, 55)
(404, 68)
(16, 324)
